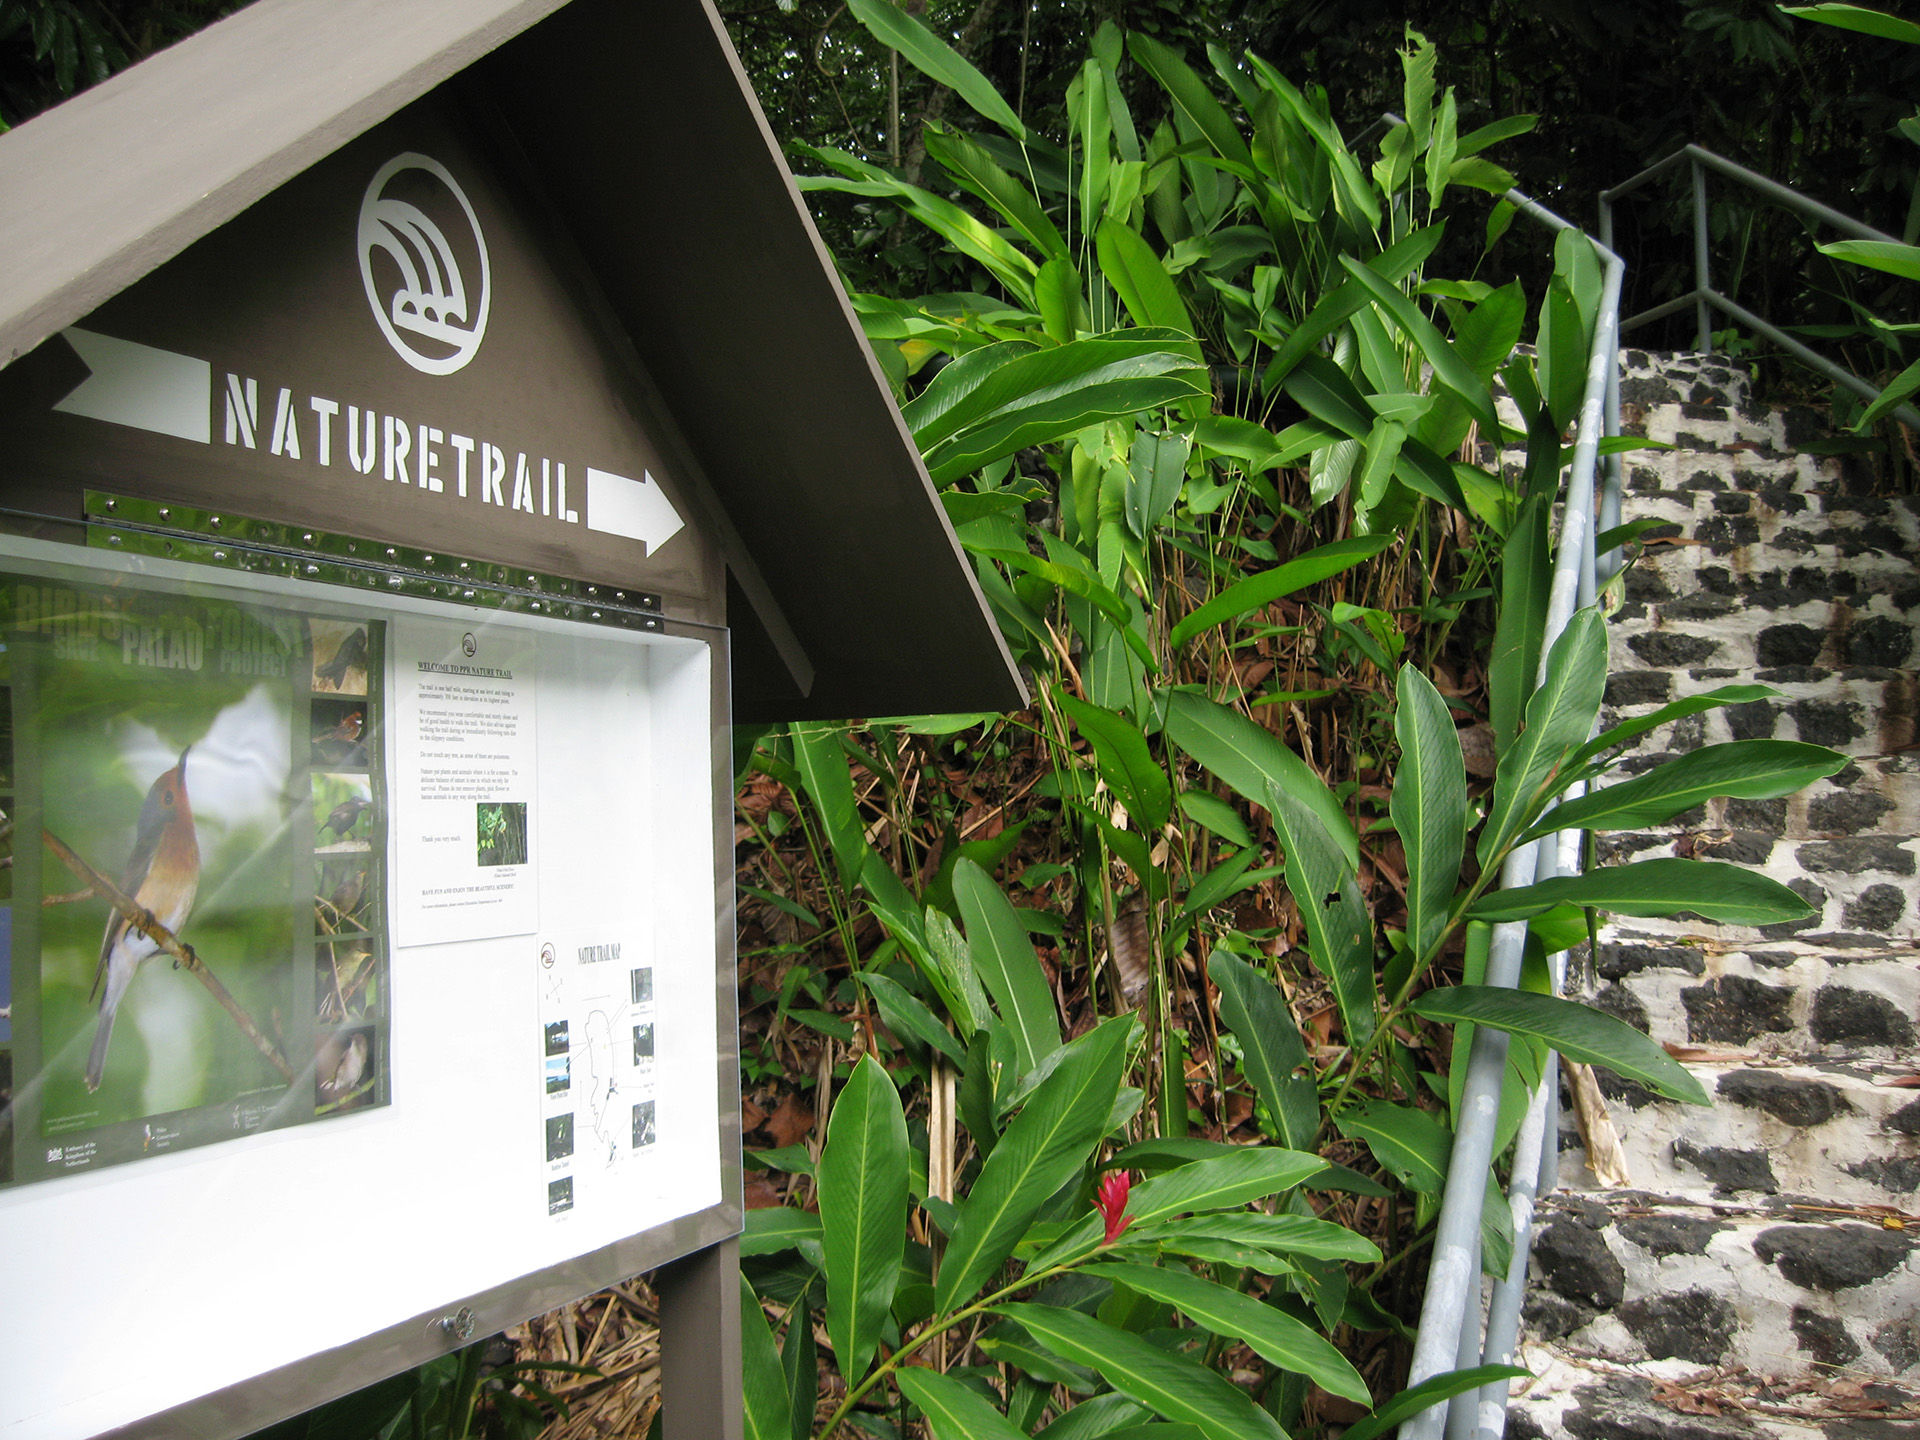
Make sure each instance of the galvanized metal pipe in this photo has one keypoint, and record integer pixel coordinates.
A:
(1702, 281)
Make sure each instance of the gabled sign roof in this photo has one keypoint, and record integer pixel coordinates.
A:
(848, 594)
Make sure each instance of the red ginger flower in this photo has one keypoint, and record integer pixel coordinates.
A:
(1111, 1197)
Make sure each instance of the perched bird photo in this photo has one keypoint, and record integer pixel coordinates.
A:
(350, 654)
(344, 816)
(339, 743)
(162, 875)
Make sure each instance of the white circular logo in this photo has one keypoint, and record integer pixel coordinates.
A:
(411, 265)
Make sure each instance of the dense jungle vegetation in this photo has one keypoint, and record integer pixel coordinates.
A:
(1101, 1062)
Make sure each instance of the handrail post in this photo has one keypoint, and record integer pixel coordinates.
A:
(1703, 281)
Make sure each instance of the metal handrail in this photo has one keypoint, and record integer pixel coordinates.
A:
(1445, 1339)
(1704, 298)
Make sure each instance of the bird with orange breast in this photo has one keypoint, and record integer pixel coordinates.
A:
(162, 875)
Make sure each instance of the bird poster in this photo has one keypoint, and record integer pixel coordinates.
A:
(195, 944)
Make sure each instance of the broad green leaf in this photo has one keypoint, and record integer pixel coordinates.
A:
(908, 1016)
(1411, 1143)
(1326, 889)
(1211, 812)
(1631, 730)
(1417, 61)
(936, 59)
(1393, 264)
(1169, 1384)
(1898, 389)
(1353, 196)
(1096, 1419)
(800, 1364)
(768, 1409)
(1251, 1172)
(950, 969)
(1449, 369)
(1190, 96)
(822, 762)
(1562, 347)
(1328, 393)
(1125, 762)
(1118, 391)
(1729, 894)
(1888, 255)
(1156, 469)
(1252, 1007)
(1859, 20)
(1428, 806)
(1442, 149)
(1525, 576)
(998, 380)
(1272, 1334)
(1281, 1234)
(774, 1228)
(1249, 758)
(1257, 591)
(1138, 277)
(965, 232)
(1005, 960)
(1043, 1148)
(1740, 769)
(1559, 718)
(863, 1212)
(954, 1411)
(1057, 294)
(969, 164)
(1409, 1403)
(1575, 1030)
(1474, 141)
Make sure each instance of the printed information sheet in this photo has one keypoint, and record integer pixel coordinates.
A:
(464, 749)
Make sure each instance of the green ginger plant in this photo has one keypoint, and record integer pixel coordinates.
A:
(1201, 419)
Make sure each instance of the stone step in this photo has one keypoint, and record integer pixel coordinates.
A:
(1830, 1134)
(1802, 998)
(1771, 1288)
(1573, 1396)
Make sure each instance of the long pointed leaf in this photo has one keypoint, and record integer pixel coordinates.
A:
(1272, 1334)
(1190, 96)
(1525, 575)
(1428, 806)
(1252, 1007)
(1042, 1149)
(1411, 1402)
(1449, 370)
(1249, 758)
(1631, 730)
(1125, 762)
(1170, 1384)
(1263, 589)
(863, 1212)
(822, 762)
(1326, 890)
(768, 1410)
(1575, 1030)
(1007, 965)
(1138, 277)
(1729, 894)
(936, 59)
(955, 1411)
(1559, 719)
(1741, 769)
(975, 170)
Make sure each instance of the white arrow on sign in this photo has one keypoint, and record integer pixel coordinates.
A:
(141, 386)
(637, 509)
